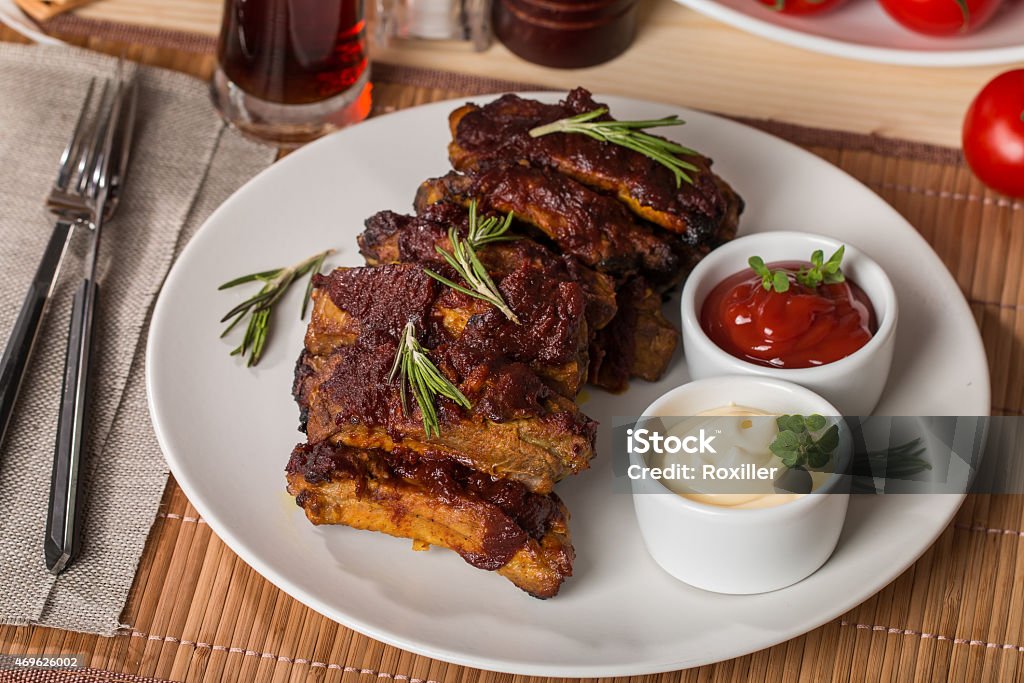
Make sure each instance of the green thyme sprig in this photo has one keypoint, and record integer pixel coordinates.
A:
(260, 306)
(629, 134)
(802, 444)
(463, 259)
(413, 366)
(770, 279)
(820, 272)
(804, 441)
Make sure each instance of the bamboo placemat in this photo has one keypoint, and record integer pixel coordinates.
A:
(198, 613)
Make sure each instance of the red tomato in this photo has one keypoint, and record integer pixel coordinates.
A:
(993, 136)
(941, 17)
(802, 6)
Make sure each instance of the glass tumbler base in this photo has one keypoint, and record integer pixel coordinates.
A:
(289, 125)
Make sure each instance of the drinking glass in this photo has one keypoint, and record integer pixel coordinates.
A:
(289, 71)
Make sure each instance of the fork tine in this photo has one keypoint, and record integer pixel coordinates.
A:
(87, 159)
(124, 135)
(101, 172)
(70, 154)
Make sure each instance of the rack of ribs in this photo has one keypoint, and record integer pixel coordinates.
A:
(629, 335)
(600, 236)
(390, 237)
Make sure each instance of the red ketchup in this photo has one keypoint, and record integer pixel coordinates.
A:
(801, 328)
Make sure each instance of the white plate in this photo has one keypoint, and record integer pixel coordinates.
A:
(862, 30)
(227, 430)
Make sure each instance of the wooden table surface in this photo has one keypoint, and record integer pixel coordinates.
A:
(684, 58)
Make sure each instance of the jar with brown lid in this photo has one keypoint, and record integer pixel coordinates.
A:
(566, 33)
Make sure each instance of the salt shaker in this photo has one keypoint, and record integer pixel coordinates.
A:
(462, 20)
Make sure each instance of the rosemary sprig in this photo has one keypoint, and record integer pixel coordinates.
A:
(899, 462)
(628, 134)
(490, 229)
(463, 259)
(413, 366)
(259, 307)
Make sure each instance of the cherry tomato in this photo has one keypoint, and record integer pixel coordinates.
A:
(993, 135)
(941, 17)
(802, 6)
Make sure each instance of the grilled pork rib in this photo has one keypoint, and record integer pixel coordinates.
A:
(518, 426)
(494, 524)
(393, 238)
(703, 213)
(595, 228)
(639, 341)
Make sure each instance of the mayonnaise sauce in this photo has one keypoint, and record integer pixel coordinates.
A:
(740, 441)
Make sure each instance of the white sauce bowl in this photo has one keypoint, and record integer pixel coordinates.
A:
(742, 551)
(853, 384)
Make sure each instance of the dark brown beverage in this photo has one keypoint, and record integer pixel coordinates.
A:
(293, 51)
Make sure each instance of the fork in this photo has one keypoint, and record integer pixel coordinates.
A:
(101, 174)
(66, 202)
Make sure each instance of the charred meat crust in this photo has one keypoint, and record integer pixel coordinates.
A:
(498, 133)
(444, 478)
(551, 338)
(383, 299)
(494, 524)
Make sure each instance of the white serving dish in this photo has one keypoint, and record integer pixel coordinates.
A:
(862, 30)
(853, 384)
(742, 551)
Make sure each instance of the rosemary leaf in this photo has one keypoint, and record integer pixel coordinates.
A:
(899, 462)
(259, 307)
(629, 134)
(413, 366)
(264, 276)
(491, 229)
(464, 261)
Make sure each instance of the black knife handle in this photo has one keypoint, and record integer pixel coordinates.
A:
(63, 522)
(19, 345)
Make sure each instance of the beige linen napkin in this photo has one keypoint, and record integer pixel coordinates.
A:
(185, 164)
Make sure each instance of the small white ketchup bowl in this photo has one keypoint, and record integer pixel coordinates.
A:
(853, 384)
